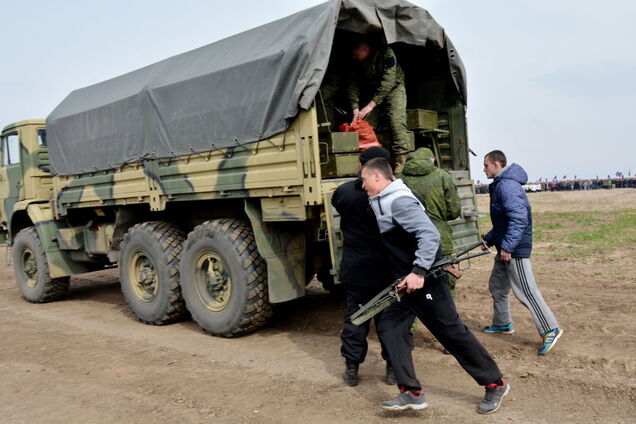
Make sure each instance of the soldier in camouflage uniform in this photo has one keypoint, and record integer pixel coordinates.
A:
(436, 188)
(331, 86)
(376, 82)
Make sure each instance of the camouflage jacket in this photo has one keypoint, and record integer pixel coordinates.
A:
(374, 78)
(436, 188)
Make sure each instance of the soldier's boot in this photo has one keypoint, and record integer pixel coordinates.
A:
(399, 160)
(350, 375)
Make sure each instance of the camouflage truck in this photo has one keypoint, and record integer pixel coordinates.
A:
(207, 177)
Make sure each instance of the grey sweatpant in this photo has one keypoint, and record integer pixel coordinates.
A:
(517, 273)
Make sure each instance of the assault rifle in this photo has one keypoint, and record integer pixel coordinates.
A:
(394, 293)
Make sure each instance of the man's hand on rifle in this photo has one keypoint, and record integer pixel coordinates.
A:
(486, 243)
(412, 282)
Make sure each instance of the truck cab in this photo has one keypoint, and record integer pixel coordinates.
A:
(25, 175)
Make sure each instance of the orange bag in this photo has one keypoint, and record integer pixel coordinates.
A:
(366, 135)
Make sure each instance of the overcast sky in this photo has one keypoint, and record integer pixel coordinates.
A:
(551, 83)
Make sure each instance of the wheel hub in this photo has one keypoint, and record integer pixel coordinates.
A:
(30, 267)
(213, 282)
(143, 276)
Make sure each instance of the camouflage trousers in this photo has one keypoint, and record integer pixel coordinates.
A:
(394, 107)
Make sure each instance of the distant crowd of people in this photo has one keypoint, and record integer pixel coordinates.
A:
(566, 185)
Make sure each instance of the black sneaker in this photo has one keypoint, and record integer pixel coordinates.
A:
(350, 375)
(405, 400)
(493, 398)
(390, 375)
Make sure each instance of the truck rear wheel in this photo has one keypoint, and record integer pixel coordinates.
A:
(32, 269)
(224, 278)
(149, 272)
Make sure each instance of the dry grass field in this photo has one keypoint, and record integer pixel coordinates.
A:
(88, 360)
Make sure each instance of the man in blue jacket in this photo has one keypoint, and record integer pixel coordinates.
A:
(511, 234)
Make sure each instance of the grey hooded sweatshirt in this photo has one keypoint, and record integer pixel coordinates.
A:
(411, 238)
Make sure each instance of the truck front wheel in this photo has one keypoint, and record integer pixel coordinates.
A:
(224, 279)
(32, 269)
(149, 272)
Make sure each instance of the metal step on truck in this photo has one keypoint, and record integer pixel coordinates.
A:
(206, 178)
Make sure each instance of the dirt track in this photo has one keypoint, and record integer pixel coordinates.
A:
(88, 360)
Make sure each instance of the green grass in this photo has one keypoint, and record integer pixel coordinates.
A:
(581, 234)
(548, 226)
(582, 218)
(618, 229)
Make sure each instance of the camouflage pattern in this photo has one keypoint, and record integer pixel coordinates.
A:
(278, 183)
(332, 83)
(280, 176)
(284, 165)
(381, 79)
(436, 188)
(395, 110)
(27, 180)
(25, 190)
(61, 263)
(284, 253)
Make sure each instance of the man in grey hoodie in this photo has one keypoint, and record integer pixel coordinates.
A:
(412, 243)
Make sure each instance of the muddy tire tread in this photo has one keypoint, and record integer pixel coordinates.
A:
(54, 288)
(170, 239)
(257, 309)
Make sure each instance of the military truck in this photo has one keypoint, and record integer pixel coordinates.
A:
(207, 177)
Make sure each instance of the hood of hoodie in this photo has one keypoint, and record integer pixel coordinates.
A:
(514, 172)
(394, 188)
(419, 162)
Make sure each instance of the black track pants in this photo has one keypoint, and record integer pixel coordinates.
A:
(434, 306)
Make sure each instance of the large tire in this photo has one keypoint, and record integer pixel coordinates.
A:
(224, 278)
(32, 269)
(149, 272)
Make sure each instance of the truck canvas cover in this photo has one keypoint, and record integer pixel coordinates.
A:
(238, 90)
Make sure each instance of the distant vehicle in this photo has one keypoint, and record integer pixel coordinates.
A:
(532, 187)
(207, 177)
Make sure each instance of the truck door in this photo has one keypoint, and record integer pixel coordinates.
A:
(10, 175)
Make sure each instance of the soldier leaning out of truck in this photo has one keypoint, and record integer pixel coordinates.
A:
(376, 82)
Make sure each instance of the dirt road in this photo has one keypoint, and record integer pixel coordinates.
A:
(88, 360)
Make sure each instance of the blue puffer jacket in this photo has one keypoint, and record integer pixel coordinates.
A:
(510, 213)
